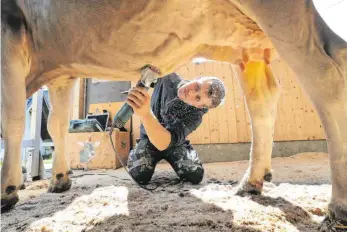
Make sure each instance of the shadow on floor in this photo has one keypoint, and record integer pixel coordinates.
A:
(171, 207)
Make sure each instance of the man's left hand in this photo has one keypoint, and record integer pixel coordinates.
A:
(139, 100)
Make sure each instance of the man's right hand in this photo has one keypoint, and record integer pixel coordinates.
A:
(140, 100)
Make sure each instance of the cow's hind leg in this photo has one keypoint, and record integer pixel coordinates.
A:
(60, 94)
(261, 92)
(319, 58)
(15, 61)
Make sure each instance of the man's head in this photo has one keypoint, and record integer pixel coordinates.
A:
(203, 92)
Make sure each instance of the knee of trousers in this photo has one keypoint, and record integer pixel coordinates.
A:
(193, 173)
(141, 174)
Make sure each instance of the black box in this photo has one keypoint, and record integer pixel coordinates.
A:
(93, 123)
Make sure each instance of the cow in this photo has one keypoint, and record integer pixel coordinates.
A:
(53, 42)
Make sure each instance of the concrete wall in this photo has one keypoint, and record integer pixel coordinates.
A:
(240, 151)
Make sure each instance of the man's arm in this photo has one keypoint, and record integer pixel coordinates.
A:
(159, 136)
(139, 100)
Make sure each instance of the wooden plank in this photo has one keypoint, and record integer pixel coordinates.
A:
(296, 108)
(279, 130)
(310, 127)
(284, 120)
(229, 78)
(213, 114)
(292, 104)
(240, 109)
(317, 130)
(296, 118)
(203, 131)
(221, 110)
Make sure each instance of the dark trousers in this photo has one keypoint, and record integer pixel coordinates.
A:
(183, 159)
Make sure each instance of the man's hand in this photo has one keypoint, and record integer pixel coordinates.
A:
(140, 101)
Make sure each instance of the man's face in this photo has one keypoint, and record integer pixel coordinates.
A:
(195, 93)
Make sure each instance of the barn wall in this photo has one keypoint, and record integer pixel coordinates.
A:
(296, 117)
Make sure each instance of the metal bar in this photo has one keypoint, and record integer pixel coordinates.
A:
(35, 131)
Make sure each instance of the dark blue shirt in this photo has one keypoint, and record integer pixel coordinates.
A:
(179, 118)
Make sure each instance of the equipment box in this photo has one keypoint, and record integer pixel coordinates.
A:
(93, 150)
(93, 123)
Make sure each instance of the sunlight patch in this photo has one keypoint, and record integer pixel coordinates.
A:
(87, 211)
(279, 206)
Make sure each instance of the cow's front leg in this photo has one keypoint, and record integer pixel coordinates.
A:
(60, 95)
(15, 62)
(12, 124)
(261, 92)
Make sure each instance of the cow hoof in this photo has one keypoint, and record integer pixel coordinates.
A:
(330, 224)
(246, 187)
(268, 177)
(8, 201)
(59, 183)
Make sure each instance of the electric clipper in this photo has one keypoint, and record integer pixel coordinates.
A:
(149, 76)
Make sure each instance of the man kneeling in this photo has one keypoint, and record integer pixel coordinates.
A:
(173, 112)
